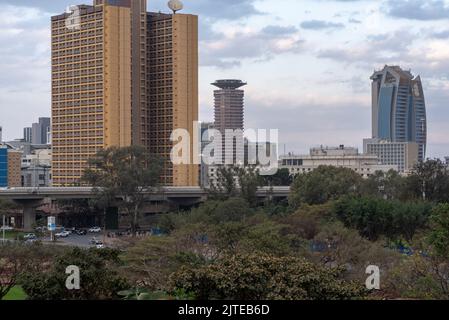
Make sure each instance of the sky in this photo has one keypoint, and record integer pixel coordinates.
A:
(307, 62)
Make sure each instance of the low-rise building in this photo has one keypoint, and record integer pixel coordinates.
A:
(343, 157)
(10, 166)
(36, 168)
(404, 155)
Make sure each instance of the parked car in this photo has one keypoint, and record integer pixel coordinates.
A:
(6, 228)
(81, 232)
(63, 234)
(41, 229)
(95, 230)
(29, 236)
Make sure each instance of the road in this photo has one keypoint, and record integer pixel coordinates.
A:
(77, 241)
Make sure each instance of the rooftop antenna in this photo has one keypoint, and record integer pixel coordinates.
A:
(175, 5)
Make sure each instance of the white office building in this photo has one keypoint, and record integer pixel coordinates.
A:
(404, 155)
(343, 157)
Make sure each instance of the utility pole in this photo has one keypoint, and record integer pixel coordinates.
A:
(4, 225)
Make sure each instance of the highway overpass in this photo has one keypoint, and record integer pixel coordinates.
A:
(31, 198)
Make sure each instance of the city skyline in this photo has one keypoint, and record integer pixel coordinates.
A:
(310, 58)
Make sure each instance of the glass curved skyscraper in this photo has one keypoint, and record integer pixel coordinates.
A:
(399, 109)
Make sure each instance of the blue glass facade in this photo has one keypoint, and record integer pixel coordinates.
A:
(399, 108)
(3, 167)
(385, 100)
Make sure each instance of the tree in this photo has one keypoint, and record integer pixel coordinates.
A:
(385, 185)
(324, 184)
(17, 259)
(259, 276)
(282, 178)
(429, 181)
(439, 236)
(98, 277)
(374, 217)
(128, 174)
(236, 181)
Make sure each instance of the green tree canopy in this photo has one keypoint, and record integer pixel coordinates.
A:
(127, 174)
(259, 276)
(323, 184)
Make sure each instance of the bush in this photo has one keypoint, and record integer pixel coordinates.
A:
(259, 276)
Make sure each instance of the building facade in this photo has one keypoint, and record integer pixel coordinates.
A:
(404, 155)
(122, 76)
(36, 169)
(229, 115)
(172, 59)
(398, 108)
(3, 166)
(343, 157)
(14, 168)
(27, 134)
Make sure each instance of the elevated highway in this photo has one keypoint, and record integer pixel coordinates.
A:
(31, 198)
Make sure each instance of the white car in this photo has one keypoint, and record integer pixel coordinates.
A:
(63, 234)
(29, 236)
(95, 230)
(6, 228)
(100, 246)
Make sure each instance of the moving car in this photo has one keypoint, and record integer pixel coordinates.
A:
(29, 236)
(63, 234)
(95, 230)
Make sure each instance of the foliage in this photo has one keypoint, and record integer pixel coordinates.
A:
(390, 185)
(123, 173)
(429, 181)
(259, 276)
(236, 181)
(98, 277)
(439, 236)
(17, 259)
(324, 184)
(282, 178)
(374, 217)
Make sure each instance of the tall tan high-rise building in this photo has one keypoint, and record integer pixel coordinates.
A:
(122, 76)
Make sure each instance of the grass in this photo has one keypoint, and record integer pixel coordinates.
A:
(11, 235)
(16, 293)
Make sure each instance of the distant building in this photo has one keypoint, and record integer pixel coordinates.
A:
(404, 155)
(10, 166)
(14, 168)
(398, 108)
(229, 115)
(205, 139)
(36, 168)
(1, 134)
(344, 157)
(40, 131)
(3, 166)
(27, 134)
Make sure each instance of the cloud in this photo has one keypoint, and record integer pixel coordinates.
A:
(320, 25)
(262, 45)
(418, 9)
(376, 49)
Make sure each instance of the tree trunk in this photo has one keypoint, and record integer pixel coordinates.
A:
(135, 220)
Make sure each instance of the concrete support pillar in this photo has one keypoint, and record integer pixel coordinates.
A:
(29, 217)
